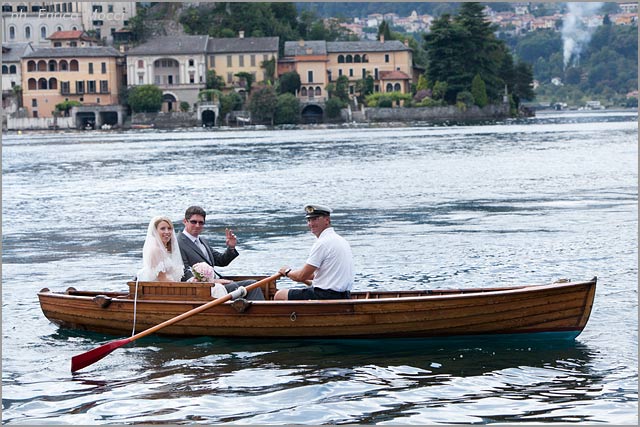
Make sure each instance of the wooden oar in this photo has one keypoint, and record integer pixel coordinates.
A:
(85, 359)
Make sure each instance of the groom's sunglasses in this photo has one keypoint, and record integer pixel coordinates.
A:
(194, 222)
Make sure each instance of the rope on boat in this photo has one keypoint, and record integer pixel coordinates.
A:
(135, 306)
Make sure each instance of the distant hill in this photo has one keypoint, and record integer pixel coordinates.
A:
(356, 9)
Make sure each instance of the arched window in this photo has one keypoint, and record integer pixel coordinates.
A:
(42, 83)
(53, 65)
(357, 59)
(13, 70)
(32, 84)
(64, 66)
(12, 32)
(53, 83)
(73, 65)
(303, 91)
(31, 66)
(389, 87)
(42, 65)
(397, 87)
(310, 92)
(27, 32)
(43, 32)
(140, 63)
(318, 91)
(58, 28)
(365, 58)
(349, 59)
(5, 69)
(340, 59)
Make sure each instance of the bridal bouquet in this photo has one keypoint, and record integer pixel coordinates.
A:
(203, 272)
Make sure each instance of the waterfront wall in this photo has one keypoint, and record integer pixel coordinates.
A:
(28, 123)
(162, 120)
(450, 112)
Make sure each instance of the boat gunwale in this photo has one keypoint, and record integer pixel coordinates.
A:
(454, 294)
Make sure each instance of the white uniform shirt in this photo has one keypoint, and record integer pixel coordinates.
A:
(332, 256)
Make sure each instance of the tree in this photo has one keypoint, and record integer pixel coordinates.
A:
(289, 82)
(423, 83)
(342, 88)
(384, 31)
(269, 67)
(446, 45)
(333, 107)
(214, 81)
(65, 106)
(523, 86)
(248, 79)
(287, 109)
(262, 105)
(17, 92)
(479, 91)
(485, 51)
(364, 87)
(145, 98)
(231, 101)
(184, 106)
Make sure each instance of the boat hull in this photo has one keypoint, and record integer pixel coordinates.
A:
(556, 310)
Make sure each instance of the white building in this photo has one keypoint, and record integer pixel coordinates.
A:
(12, 73)
(34, 22)
(177, 65)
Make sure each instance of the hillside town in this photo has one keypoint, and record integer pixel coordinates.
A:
(82, 55)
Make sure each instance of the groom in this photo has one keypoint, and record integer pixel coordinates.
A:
(194, 249)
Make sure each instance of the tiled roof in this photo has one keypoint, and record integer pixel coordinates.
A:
(13, 52)
(366, 46)
(393, 75)
(245, 44)
(171, 45)
(69, 35)
(65, 52)
(318, 47)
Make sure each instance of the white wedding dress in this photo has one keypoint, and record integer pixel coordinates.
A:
(156, 258)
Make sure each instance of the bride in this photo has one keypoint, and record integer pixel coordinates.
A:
(161, 259)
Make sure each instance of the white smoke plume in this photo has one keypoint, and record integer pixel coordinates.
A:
(575, 33)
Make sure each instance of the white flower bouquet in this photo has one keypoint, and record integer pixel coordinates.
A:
(203, 272)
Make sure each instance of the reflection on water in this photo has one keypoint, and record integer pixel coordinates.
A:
(524, 201)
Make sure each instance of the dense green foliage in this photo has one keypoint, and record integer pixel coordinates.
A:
(65, 106)
(333, 107)
(145, 98)
(465, 46)
(231, 101)
(607, 68)
(287, 109)
(479, 91)
(225, 19)
(214, 81)
(289, 82)
(262, 105)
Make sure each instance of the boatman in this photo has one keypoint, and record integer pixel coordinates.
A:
(328, 271)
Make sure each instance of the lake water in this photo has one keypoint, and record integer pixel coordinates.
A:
(424, 207)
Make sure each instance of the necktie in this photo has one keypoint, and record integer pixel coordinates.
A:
(203, 249)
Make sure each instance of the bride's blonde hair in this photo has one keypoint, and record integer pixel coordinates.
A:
(168, 221)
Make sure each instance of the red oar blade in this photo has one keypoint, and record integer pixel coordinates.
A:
(90, 357)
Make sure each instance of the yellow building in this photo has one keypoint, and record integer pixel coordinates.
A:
(91, 75)
(319, 63)
(229, 56)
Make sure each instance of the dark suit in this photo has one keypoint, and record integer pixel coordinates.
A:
(191, 254)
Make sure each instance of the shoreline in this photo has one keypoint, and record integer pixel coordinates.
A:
(350, 125)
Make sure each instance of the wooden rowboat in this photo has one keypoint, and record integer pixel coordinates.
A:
(556, 310)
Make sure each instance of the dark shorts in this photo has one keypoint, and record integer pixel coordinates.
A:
(316, 293)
